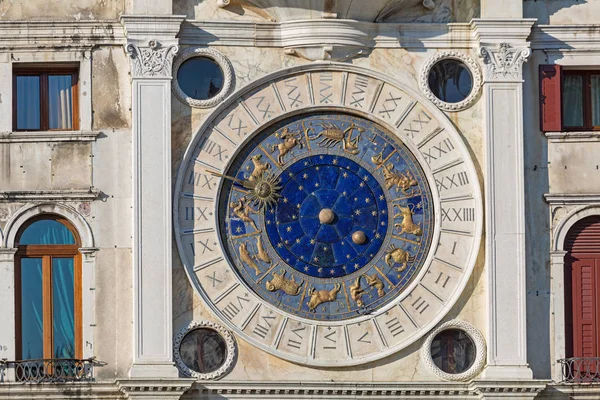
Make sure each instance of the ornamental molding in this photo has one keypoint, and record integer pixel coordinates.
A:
(451, 55)
(327, 32)
(480, 349)
(68, 35)
(504, 62)
(49, 195)
(153, 388)
(225, 334)
(216, 56)
(154, 61)
(49, 136)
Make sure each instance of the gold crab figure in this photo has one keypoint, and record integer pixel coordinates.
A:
(331, 135)
(398, 256)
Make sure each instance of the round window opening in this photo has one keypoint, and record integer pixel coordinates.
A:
(203, 350)
(453, 351)
(200, 78)
(450, 81)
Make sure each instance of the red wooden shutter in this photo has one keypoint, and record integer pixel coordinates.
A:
(550, 99)
(585, 307)
(583, 263)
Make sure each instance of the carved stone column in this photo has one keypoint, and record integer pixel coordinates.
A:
(503, 51)
(151, 62)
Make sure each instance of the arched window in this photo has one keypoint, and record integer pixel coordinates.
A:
(48, 290)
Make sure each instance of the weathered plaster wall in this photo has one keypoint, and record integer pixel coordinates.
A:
(562, 11)
(61, 10)
(536, 165)
(111, 91)
(253, 364)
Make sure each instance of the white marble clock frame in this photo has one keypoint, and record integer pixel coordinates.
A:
(214, 126)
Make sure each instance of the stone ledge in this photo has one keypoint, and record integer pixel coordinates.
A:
(574, 137)
(572, 198)
(49, 136)
(50, 195)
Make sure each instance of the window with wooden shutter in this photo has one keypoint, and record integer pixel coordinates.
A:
(550, 98)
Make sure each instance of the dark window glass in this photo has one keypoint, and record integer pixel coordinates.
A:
(450, 81)
(453, 351)
(28, 102)
(32, 313)
(63, 303)
(203, 350)
(572, 100)
(47, 231)
(595, 88)
(60, 103)
(200, 78)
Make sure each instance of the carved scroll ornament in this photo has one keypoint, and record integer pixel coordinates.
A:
(151, 61)
(504, 63)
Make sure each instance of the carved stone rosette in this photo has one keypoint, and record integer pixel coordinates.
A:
(504, 62)
(227, 337)
(470, 63)
(154, 61)
(475, 336)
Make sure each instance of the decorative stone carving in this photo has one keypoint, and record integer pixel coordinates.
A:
(327, 53)
(475, 74)
(4, 213)
(153, 61)
(504, 63)
(229, 340)
(217, 57)
(480, 347)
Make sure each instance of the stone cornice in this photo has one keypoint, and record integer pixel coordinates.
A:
(490, 31)
(572, 198)
(16, 35)
(49, 195)
(326, 32)
(160, 28)
(49, 136)
(566, 37)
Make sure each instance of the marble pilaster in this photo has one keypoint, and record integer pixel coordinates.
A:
(152, 46)
(503, 49)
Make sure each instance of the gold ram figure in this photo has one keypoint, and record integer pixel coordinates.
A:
(279, 282)
(407, 225)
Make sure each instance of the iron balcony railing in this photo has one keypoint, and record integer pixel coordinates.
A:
(580, 369)
(48, 370)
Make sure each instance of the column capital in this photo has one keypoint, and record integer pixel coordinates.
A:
(503, 62)
(152, 61)
(151, 43)
(7, 253)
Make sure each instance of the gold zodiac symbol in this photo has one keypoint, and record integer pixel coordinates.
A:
(289, 141)
(402, 181)
(262, 255)
(279, 282)
(322, 296)
(332, 135)
(259, 167)
(398, 256)
(242, 210)
(246, 258)
(375, 282)
(407, 225)
(356, 293)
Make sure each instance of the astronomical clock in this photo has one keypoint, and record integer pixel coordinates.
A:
(328, 215)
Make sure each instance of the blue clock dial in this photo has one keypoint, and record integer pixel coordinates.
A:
(326, 216)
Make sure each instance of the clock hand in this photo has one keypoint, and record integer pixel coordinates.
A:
(245, 184)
